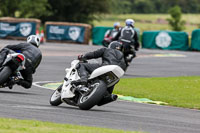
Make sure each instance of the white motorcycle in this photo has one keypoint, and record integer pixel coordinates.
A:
(85, 97)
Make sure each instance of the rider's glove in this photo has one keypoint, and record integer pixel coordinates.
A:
(80, 57)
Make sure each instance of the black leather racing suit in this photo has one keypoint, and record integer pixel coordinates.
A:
(130, 44)
(33, 58)
(109, 57)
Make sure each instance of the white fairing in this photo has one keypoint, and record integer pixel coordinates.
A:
(108, 68)
(70, 75)
(66, 92)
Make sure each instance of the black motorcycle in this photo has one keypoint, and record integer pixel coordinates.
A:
(10, 70)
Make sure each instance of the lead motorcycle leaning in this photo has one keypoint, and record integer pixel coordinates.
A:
(85, 97)
(10, 70)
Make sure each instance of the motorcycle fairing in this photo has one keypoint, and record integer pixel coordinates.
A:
(119, 72)
(66, 92)
(71, 74)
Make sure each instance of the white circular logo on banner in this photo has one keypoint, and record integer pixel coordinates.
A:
(25, 29)
(74, 33)
(163, 40)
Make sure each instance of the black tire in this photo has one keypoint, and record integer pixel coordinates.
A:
(88, 101)
(5, 73)
(55, 99)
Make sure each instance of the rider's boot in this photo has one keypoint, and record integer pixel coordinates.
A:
(10, 87)
(108, 99)
(83, 76)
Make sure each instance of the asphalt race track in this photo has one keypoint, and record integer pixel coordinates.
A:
(34, 103)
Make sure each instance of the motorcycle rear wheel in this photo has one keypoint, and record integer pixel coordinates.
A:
(86, 102)
(5, 74)
(55, 99)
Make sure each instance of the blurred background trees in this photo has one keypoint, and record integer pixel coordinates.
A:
(175, 21)
(55, 10)
(76, 10)
(24, 8)
(86, 11)
(155, 6)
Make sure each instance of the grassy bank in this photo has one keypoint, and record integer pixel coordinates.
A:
(31, 126)
(150, 21)
(176, 91)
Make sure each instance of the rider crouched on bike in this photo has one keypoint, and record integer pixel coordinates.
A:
(33, 58)
(129, 38)
(110, 56)
(111, 34)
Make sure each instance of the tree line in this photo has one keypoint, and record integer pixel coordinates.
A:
(154, 6)
(85, 11)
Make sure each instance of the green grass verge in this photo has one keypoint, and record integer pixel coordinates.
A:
(176, 91)
(141, 19)
(32, 126)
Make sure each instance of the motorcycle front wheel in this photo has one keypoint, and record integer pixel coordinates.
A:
(5, 74)
(87, 101)
(55, 99)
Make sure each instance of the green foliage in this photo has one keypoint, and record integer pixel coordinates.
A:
(84, 11)
(33, 9)
(154, 6)
(175, 21)
(8, 7)
(24, 8)
(143, 6)
(146, 22)
(120, 6)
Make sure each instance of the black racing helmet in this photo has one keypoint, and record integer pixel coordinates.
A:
(115, 45)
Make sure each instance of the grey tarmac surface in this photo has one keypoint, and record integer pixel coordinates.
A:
(33, 103)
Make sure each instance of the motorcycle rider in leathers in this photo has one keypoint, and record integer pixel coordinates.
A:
(129, 38)
(111, 34)
(33, 58)
(110, 56)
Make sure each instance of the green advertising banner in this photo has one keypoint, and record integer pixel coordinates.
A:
(65, 32)
(17, 29)
(195, 41)
(169, 40)
(98, 34)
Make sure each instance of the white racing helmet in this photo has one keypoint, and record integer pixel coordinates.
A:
(130, 22)
(34, 39)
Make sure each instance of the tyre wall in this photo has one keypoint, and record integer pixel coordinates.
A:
(67, 32)
(167, 40)
(18, 28)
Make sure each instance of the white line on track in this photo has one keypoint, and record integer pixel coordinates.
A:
(41, 82)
